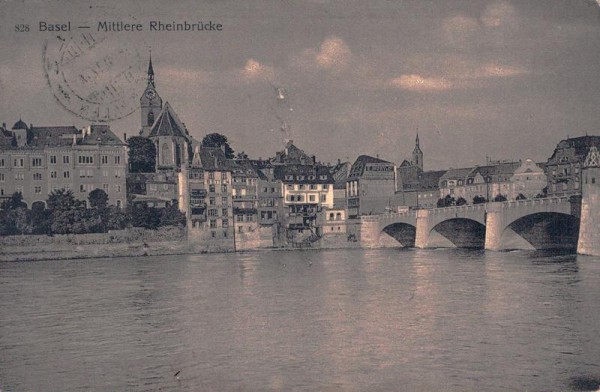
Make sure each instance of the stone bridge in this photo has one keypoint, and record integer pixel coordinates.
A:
(549, 223)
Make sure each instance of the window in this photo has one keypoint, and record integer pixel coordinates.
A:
(211, 201)
(213, 224)
(82, 188)
(240, 229)
(117, 160)
(211, 188)
(224, 188)
(225, 223)
(118, 188)
(118, 203)
(19, 162)
(212, 212)
(37, 176)
(224, 234)
(65, 159)
(53, 159)
(224, 201)
(36, 162)
(224, 176)
(19, 176)
(105, 187)
(224, 212)
(37, 189)
(211, 175)
(2, 162)
(81, 173)
(86, 159)
(66, 174)
(272, 190)
(311, 198)
(323, 198)
(104, 160)
(52, 174)
(1, 177)
(118, 174)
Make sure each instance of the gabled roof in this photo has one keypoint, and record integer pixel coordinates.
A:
(581, 145)
(456, 174)
(430, 180)
(213, 158)
(102, 135)
(358, 167)
(168, 124)
(292, 155)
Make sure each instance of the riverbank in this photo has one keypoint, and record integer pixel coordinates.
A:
(134, 242)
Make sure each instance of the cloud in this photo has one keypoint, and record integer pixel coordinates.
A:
(255, 71)
(498, 14)
(334, 53)
(499, 71)
(414, 82)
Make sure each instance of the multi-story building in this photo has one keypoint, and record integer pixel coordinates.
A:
(371, 186)
(528, 180)
(563, 168)
(244, 194)
(38, 160)
(306, 190)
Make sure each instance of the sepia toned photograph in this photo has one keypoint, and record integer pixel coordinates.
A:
(310, 195)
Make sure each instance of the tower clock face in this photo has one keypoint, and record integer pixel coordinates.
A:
(151, 94)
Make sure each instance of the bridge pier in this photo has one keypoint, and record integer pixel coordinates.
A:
(423, 229)
(494, 226)
(589, 227)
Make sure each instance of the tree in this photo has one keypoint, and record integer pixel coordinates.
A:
(62, 200)
(521, 196)
(500, 197)
(446, 201)
(143, 216)
(479, 200)
(142, 155)
(98, 199)
(461, 201)
(15, 201)
(241, 156)
(171, 216)
(218, 140)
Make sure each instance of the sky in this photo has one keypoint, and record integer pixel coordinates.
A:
(476, 79)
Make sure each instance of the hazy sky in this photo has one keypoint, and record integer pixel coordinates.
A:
(505, 79)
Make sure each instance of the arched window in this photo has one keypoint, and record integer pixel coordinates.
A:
(150, 117)
(165, 153)
(177, 155)
(338, 216)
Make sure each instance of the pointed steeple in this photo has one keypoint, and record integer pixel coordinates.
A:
(150, 72)
(417, 154)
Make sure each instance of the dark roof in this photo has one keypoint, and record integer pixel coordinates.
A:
(430, 180)
(53, 136)
(101, 134)
(454, 174)
(168, 124)
(359, 165)
(20, 125)
(213, 158)
(243, 168)
(63, 136)
(405, 163)
(303, 174)
(581, 145)
(292, 155)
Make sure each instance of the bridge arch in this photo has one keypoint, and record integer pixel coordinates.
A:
(404, 233)
(459, 232)
(541, 230)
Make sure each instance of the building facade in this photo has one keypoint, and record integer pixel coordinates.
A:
(36, 161)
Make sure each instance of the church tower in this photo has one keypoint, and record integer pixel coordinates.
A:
(150, 102)
(417, 155)
(589, 226)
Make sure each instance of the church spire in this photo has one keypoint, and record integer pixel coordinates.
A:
(150, 72)
(417, 154)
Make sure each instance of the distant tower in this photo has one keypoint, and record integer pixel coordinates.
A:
(417, 155)
(20, 130)
(150, 102)
(589, 228)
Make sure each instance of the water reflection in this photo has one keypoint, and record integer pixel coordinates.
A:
(311, 320)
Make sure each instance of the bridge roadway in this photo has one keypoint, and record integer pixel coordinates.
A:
(547, 223)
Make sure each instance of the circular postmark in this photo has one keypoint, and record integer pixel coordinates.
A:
(94, 76)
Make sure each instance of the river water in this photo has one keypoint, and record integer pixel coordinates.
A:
(343, 320)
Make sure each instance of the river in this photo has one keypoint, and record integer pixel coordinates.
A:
(338, 320)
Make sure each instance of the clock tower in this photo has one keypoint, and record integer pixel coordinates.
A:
(150, 102)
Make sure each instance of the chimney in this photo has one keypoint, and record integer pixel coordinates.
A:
(339, 161)
(314, 159)
(125, 136)
(74, 139)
